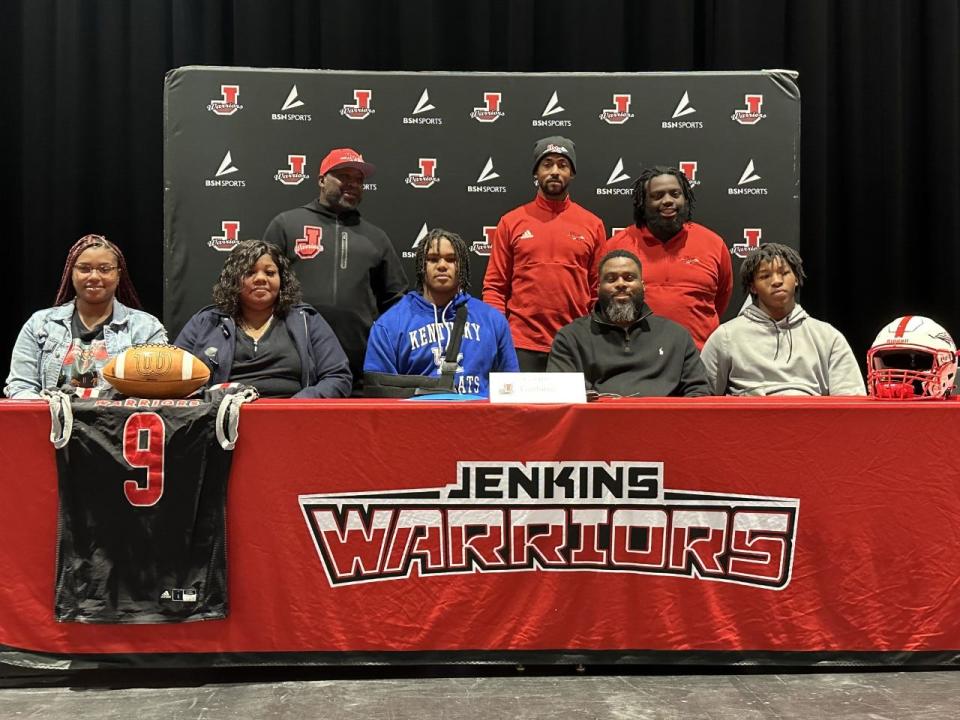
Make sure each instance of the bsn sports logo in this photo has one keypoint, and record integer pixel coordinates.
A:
(311, 244)
(485, 176)
(616, 176)
(229, 101)
(362, 105)
(751, 237)
(490, 110)
(292, 102)
(230, 237)
(412, 252)
(226, 168)
(620, 112)
(748, 176)
(423, 105)
(752, 115)
(294, 173)
(683, 109)
(552, 107)
(689, 168)
(483, 247)
(508, 516)
(427, 175)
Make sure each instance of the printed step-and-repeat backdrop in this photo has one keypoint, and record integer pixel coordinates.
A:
(455, 150)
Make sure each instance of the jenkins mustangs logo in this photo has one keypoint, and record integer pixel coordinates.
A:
(554, 516)
(490, 110)
(752, 115)
(620, 112)
(751, 241)
(427, 175)
(294, 173)
(230, 237)
(362, 106)
(229, 101)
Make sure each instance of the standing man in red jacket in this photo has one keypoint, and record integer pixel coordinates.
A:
(543, 265)
(686, 267)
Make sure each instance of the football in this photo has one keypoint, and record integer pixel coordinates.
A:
(155, 371)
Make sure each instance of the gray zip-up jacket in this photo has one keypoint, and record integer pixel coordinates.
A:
(799, 355)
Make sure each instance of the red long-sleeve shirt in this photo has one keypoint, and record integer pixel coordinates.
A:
(542, 272)
(688, 279)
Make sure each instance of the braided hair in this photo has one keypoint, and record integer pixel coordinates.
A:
(242, 258)
(459, 248)
(125, 292)
(768, 253)
(640, 191)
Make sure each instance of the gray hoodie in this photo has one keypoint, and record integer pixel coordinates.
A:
(799, 355)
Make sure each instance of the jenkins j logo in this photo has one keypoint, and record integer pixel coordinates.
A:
(310, 244)
(620, 112)
(751, 237)
(752, 115)
(293, 174)
(230, 237)
(689, 168)
(490, 110)
(483, 247)
(228, 104)
(362, 105)
(427, 175)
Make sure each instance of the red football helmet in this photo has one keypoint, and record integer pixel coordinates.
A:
(912, 357)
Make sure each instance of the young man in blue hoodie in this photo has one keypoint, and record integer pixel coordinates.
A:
(773, 347)
(411, 338)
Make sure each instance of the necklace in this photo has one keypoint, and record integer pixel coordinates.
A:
(256, 333)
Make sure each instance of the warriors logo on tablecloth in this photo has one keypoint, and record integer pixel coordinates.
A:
(554, 516)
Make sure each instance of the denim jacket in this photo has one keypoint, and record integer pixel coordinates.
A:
(46, 336)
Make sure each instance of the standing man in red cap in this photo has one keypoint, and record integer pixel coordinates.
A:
(543, 265)
(347, 265)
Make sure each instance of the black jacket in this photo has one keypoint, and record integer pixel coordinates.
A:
(654, 357)
(349, 271)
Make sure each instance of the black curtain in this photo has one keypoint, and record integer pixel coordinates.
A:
(81, 133)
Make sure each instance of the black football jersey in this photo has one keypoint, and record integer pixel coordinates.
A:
(142, 506)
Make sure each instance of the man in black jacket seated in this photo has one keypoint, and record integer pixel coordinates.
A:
(622, 348)
(348, 267)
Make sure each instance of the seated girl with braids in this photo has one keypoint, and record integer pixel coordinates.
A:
(95, 316)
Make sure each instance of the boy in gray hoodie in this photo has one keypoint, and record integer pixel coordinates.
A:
(773, 347)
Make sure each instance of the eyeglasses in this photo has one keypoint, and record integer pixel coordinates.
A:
(84, 269)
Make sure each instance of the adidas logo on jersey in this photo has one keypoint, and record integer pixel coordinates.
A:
(526, 235)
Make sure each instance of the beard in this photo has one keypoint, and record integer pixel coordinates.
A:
(666, 227)
(622, 313)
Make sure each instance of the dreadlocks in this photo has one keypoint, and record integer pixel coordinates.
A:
(640, 191)
(768, 253)
(432, 241)
(125, 293)
(242, 258)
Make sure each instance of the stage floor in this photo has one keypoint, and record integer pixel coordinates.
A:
(382, 693)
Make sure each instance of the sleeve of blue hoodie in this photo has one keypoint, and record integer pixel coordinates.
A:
(382, 352)
(506, 354)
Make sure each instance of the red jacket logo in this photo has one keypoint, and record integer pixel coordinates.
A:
(752, 115)
(490, 110)
(310, 245)
(751, 237)
(362, 105)
(294, 173)
(483, 247)
(689, 168)
(228, 104)
(620, 112)
(230, 237)
(427, 175)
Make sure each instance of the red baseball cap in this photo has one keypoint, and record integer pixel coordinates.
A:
(346, 157)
